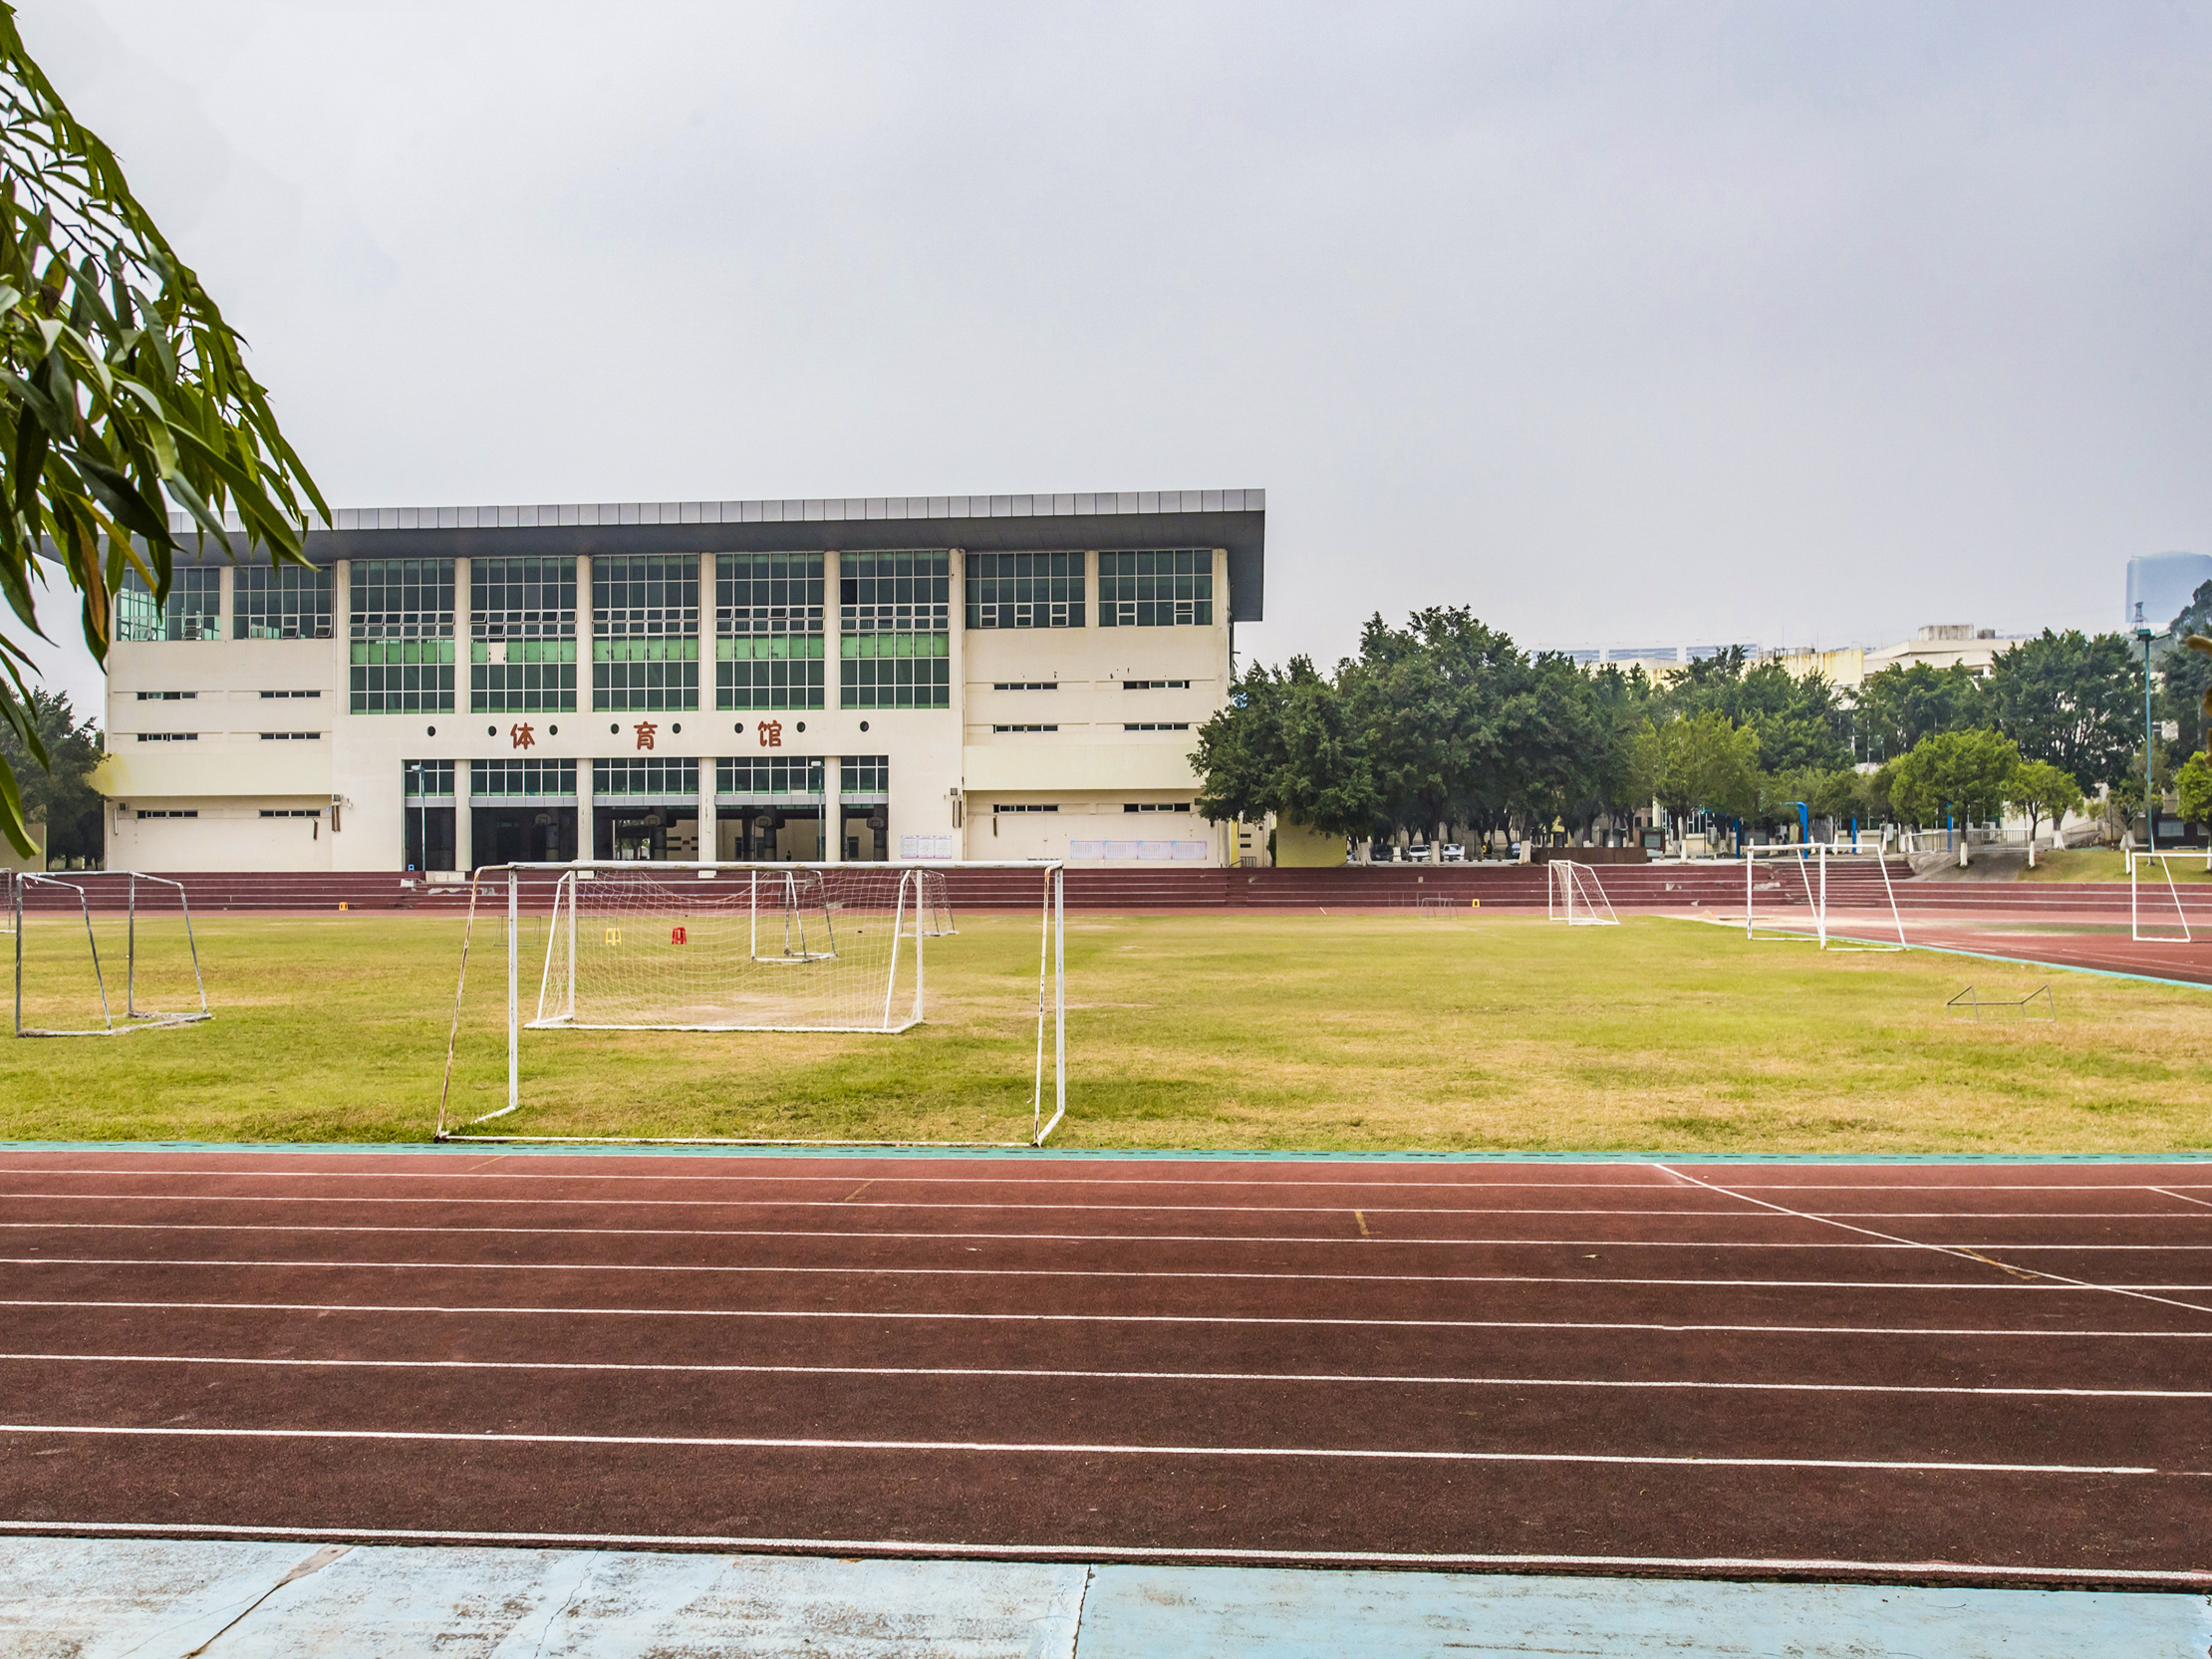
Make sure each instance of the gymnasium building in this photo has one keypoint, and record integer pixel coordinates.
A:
(912, 678)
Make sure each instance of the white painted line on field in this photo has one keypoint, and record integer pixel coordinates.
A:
(2136, 1292)
(1726, 1566)
(2042, 1281)
(416, 1310)
(2183, 1197)
(1077, 1449)
(891, 1233)
(1043, 1372)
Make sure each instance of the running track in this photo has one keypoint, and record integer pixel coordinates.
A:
(1979, 1373)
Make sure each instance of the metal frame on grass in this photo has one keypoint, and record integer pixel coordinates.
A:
(134, 1020)
(2135, 862)
(909, 922)
(1812, 858)
(1570, 880)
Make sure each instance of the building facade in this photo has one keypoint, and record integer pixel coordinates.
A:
(911, 678)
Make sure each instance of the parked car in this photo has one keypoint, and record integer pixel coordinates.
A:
(1454, 853)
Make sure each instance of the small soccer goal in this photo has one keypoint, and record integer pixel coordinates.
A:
(2161, 912)
(1579, 896)
(1838, 896)
(835, 950)
(102, 953)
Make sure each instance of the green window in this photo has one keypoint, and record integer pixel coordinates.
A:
(864, 775)
(895, 630)
(494, 780)
(654, 779)
(769, 631)
(1168, 589)
(769, 774)
(280, 602)
(430, 779)
(522, 636)
(401, 627)
(193, 611)
(1025, 590)
(644, 632)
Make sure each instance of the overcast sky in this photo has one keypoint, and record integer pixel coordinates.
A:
(1617, 323)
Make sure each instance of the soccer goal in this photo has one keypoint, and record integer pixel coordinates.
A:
(1577, 897)
(148, 978)
(2165, 898)
(1838, 896)
(736, 949)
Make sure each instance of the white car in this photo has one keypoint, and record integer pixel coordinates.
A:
(1454, 853)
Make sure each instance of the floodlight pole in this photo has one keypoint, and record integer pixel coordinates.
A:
(2150, 812)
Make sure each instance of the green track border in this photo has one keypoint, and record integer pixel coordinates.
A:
(367, 1149)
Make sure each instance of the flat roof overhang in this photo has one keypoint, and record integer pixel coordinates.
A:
(1235, 519)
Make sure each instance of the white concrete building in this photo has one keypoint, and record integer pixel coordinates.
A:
(946, 676)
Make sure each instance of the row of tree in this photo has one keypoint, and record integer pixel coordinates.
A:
(1445, 721)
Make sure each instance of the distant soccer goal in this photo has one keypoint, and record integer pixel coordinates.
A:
(1579, 896)
(1838, 897)
(102, 953)
(2162, 912)
(834, 949)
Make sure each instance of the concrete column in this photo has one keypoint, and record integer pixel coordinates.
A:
(464, 826)
(587, 717)
(463, 702)
(833, 701)
(833, 811)
(708, 705)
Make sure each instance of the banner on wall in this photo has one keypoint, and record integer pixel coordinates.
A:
(925, 846)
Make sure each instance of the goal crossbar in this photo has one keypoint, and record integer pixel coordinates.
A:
(134, 1017)
(790, 924)
(1803, 879)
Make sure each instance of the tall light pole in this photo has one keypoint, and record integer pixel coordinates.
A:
(2151, 809)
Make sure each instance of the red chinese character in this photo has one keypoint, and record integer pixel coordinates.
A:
(771, 735)
(676, 935)
(521, 733)
(646, 730)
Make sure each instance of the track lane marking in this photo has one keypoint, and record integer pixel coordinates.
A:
(459, 1310)
(2042, 1281)
(1036, 1372)
(1080, 1449)
(1737, 1565)
(891, 1233)
(2137, 1293)
(2183, 1197)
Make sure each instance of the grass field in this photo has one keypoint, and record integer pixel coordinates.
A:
(1368, 1031)
(2105, 864)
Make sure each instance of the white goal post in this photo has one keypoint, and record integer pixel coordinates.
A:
(1798, 901)
(638, 946)
(1577, 898)
(2135, 863)
(66, 983)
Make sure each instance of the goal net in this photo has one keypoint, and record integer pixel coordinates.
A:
(767, 949)
(2159, 910)
(1577, 897)
(102, 953)
(1838, 896)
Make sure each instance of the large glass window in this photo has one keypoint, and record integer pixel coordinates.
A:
(1167, 589)
(280, 602)
(864, 775)
(522, 636)
(769, 631)
(769, 774)
(193, 611)
(539, 779)
(401, 627)
(654, 779)
(430, 779)
(895, 622)
(644, 632)
(1025, 590)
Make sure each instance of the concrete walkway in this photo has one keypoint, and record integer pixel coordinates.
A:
(108, 1598)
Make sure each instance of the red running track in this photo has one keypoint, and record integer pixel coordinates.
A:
(1975, 1372)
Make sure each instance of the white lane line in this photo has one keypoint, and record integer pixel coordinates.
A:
(1077, 1449)
(537, 1201)
(464, 1310)
(2029, 1282)
(1727, 1565)
(999, 1176)
(950, 1237)
(1042, 1373)
(2183, 1197)
(2136, 1292)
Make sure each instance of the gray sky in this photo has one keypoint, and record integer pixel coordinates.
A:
(1617, 323)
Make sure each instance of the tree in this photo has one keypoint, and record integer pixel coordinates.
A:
(2185, 671)
(121, 388)
(57, 794)
(2072, 701)
(1799, 721)
(1698, 760)
(1896, 708)
(1967, 773)
(2195, 786)
(2041, 791)
(1287, 744)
